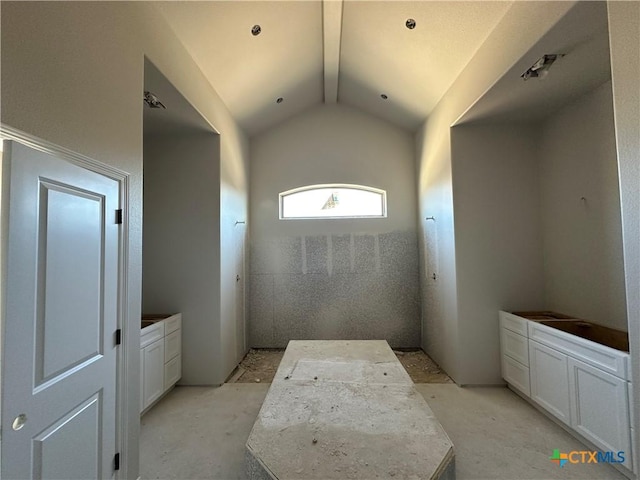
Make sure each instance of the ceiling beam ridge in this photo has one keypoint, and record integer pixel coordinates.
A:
(331, 38)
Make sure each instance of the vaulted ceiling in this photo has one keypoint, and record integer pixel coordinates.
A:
(351, 52)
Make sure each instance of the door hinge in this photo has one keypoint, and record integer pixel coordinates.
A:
(119, 216)
(118, 336)
(116, 461)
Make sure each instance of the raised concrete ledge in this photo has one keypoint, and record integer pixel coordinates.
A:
(346, 410)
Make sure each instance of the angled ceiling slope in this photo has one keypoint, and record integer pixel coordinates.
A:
(352, 52)
(251, 72)
(413, 67)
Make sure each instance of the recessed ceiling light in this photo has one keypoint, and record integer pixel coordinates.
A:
(383, 96)
(255, 30)
(279, 100)
(410, 23)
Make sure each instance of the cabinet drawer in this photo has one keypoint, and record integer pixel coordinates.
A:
(172, 372)
(516, 374)
(173, 323)
(513, 322)
(514, 345)
(150, 334)
(172, 345)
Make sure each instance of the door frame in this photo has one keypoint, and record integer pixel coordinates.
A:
(124, 361)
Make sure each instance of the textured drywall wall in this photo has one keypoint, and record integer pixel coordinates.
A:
(330, 279)
(437, 247)
(233, 279)
(498, 238)
(180, 257)
(580, 212)
(520, 28)
(72, 74)
(234, 241)
(624, 38)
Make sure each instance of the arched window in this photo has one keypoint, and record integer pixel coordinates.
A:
(333, 201)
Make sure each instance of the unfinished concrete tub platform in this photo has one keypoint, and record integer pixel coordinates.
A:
(346, 410)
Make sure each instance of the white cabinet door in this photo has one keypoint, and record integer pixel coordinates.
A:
(549, 380)
(600, 408)
(153, 371)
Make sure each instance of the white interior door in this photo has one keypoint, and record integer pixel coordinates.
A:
(59, 352)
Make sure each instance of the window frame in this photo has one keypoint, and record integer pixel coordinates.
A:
(350, 186)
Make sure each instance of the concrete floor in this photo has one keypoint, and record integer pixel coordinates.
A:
(200, 433)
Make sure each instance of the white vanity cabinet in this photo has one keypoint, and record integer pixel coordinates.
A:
(160, 357)
(583, 384)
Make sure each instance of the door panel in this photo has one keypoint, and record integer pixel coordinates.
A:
(59, 355)
(66, 214)
(71, 437)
